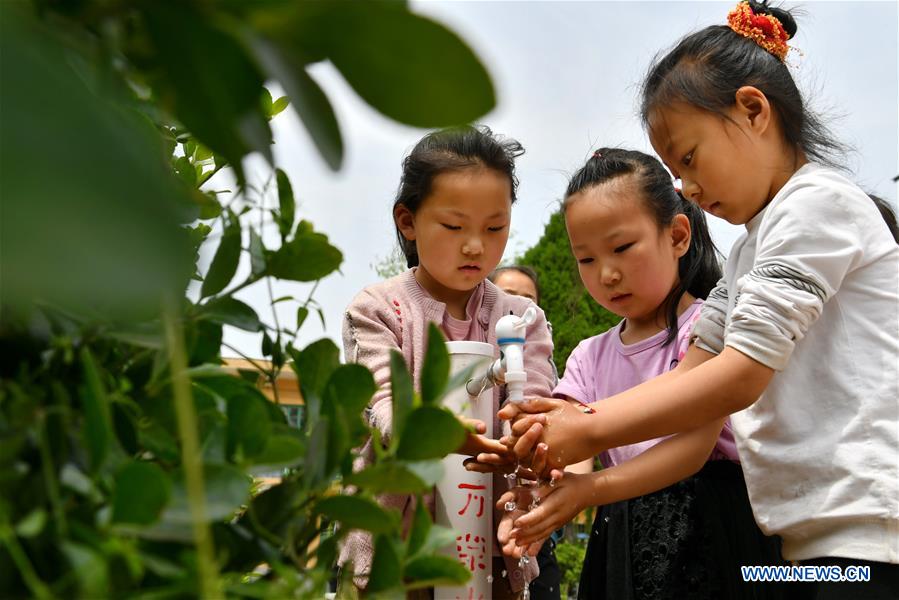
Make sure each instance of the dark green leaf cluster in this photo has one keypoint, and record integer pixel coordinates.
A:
(574, 315)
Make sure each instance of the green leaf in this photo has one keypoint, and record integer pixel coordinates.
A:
(230, 311)
(78, 482)
(302, 313)
(444, 434)
(141, 491)
(316, 454)
(257, 254)
(248, 426)
(267, 344)
(32, 523)
(395, 73)
(265, 100)
(89, 568)
(402, 394)
(281, 451)
(436, 367)
(307, 257)
(279, 105)
(215, 86)
(97, 425)
(350, 387)
(389, 477)
(437, 538)
(429, 471)
(421, 527)
(355, 512)
(282, 61)
(226, 489)
(202, 153)
(386, 569)
(286, 204)
(210, 207)
(226, 258)
(99, 233)
(313, 366)
(430, 571)
(185, 170)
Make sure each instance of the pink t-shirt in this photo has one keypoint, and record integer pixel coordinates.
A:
(470, 329)
(602, 366)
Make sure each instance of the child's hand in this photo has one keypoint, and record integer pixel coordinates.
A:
(507, 462)
(565, 425)
(476, 444)
(506, 523)
(558, 504)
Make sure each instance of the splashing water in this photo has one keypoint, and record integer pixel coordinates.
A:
(490, 578)
(522, 563)
(510, 506)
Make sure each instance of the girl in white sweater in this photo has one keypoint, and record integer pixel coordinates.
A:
(799, 342)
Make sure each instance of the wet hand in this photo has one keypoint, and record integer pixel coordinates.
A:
(506, 462)
(563, 425)
(507, 543)
(556, 505)
(476, 444)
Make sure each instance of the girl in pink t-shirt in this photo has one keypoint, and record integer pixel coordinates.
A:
(645, 253)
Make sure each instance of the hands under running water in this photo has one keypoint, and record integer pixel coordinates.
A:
(547, 434)
(540, 510)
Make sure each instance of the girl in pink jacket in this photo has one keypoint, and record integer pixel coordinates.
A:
(452, 215)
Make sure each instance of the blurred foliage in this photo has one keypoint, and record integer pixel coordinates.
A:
(571, 559)
(391, 265)
(126, 449)
(574, 315)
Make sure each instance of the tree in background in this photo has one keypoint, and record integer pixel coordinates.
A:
(574, 315)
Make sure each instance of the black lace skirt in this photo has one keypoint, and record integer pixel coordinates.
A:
(685, 541)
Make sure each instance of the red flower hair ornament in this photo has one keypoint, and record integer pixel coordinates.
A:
(765, 30)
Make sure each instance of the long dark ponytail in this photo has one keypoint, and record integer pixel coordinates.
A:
(699, 269)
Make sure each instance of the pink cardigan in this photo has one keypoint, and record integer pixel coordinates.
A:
(395, 314)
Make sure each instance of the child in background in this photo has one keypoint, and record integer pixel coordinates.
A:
(645, 254)
(518, 280)
(452, 215)
(799, 342)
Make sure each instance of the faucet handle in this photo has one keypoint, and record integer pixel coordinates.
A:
(529, 316)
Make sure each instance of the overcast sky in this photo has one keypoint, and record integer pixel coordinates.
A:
(566, 75)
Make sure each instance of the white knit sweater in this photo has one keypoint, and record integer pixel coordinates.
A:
(812, 291)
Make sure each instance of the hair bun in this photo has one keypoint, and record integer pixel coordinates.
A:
(786, 19)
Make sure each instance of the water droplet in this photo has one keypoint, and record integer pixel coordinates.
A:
(504, 574)
(511, 477)
(524, 560)
(552, 483)
(606, 519)
(510, 506)
(490, 578)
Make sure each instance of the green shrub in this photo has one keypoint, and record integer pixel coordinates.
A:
(126, 450)
(571, 558)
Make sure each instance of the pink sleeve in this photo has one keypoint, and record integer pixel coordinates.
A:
(538, 357)
(573, 384)
(368, 340)
(685, 334)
